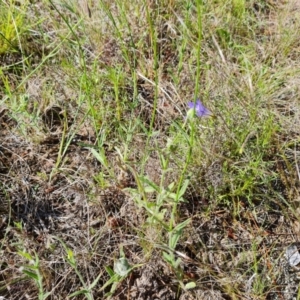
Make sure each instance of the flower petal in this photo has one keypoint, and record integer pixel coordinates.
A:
(191, 104)
(200, 109)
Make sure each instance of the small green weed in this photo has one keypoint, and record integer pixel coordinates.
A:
(32, 270)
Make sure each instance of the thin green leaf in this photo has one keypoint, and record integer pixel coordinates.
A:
(190, 285)
(177, 263)
(110, 272)
(183, 188)
(25, 255)
(93, 284)
(176, 233)
(115, 278)
(182, 225)
(169, 258)
(149, 189)
(46, 295)
(84, 291)
(150, 183)
(31, 274)
(100, 156)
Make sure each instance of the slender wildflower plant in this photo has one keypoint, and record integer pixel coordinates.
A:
(198, 108)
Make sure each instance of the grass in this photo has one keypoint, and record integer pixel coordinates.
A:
(108, 189)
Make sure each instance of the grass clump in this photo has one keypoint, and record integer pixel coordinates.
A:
(12, 26)
(148, 149)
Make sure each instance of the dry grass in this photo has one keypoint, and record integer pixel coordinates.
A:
(99, 166)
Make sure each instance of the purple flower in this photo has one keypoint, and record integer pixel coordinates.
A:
(200, 109)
